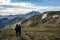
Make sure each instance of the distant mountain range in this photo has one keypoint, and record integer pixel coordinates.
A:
(12, 19)
(31, 19)
(21, 15)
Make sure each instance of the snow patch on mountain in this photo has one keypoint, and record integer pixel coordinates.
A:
(55, 16)
(44, 15)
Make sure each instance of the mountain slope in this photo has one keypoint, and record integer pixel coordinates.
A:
(45, 26)
(6, 23)
(27, 15)
(12, 19)
(42, 18)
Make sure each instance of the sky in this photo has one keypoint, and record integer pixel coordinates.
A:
(13, 7)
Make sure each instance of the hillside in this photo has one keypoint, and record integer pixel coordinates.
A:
(3, 22)
(42, 18)
(12, 19)
(44, 26)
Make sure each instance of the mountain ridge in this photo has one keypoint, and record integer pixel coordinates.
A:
(21, 15)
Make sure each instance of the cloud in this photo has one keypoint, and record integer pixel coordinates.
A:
(5, 1)
(8, 8)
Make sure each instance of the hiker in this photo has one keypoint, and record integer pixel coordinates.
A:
(18, 30)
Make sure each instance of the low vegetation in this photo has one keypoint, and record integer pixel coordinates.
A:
(34, 28)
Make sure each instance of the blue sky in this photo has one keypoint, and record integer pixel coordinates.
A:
(41, 2)
(13, 7)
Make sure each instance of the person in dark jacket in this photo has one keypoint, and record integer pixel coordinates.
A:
(18, 30)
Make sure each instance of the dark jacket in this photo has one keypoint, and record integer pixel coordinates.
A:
(18, 28)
